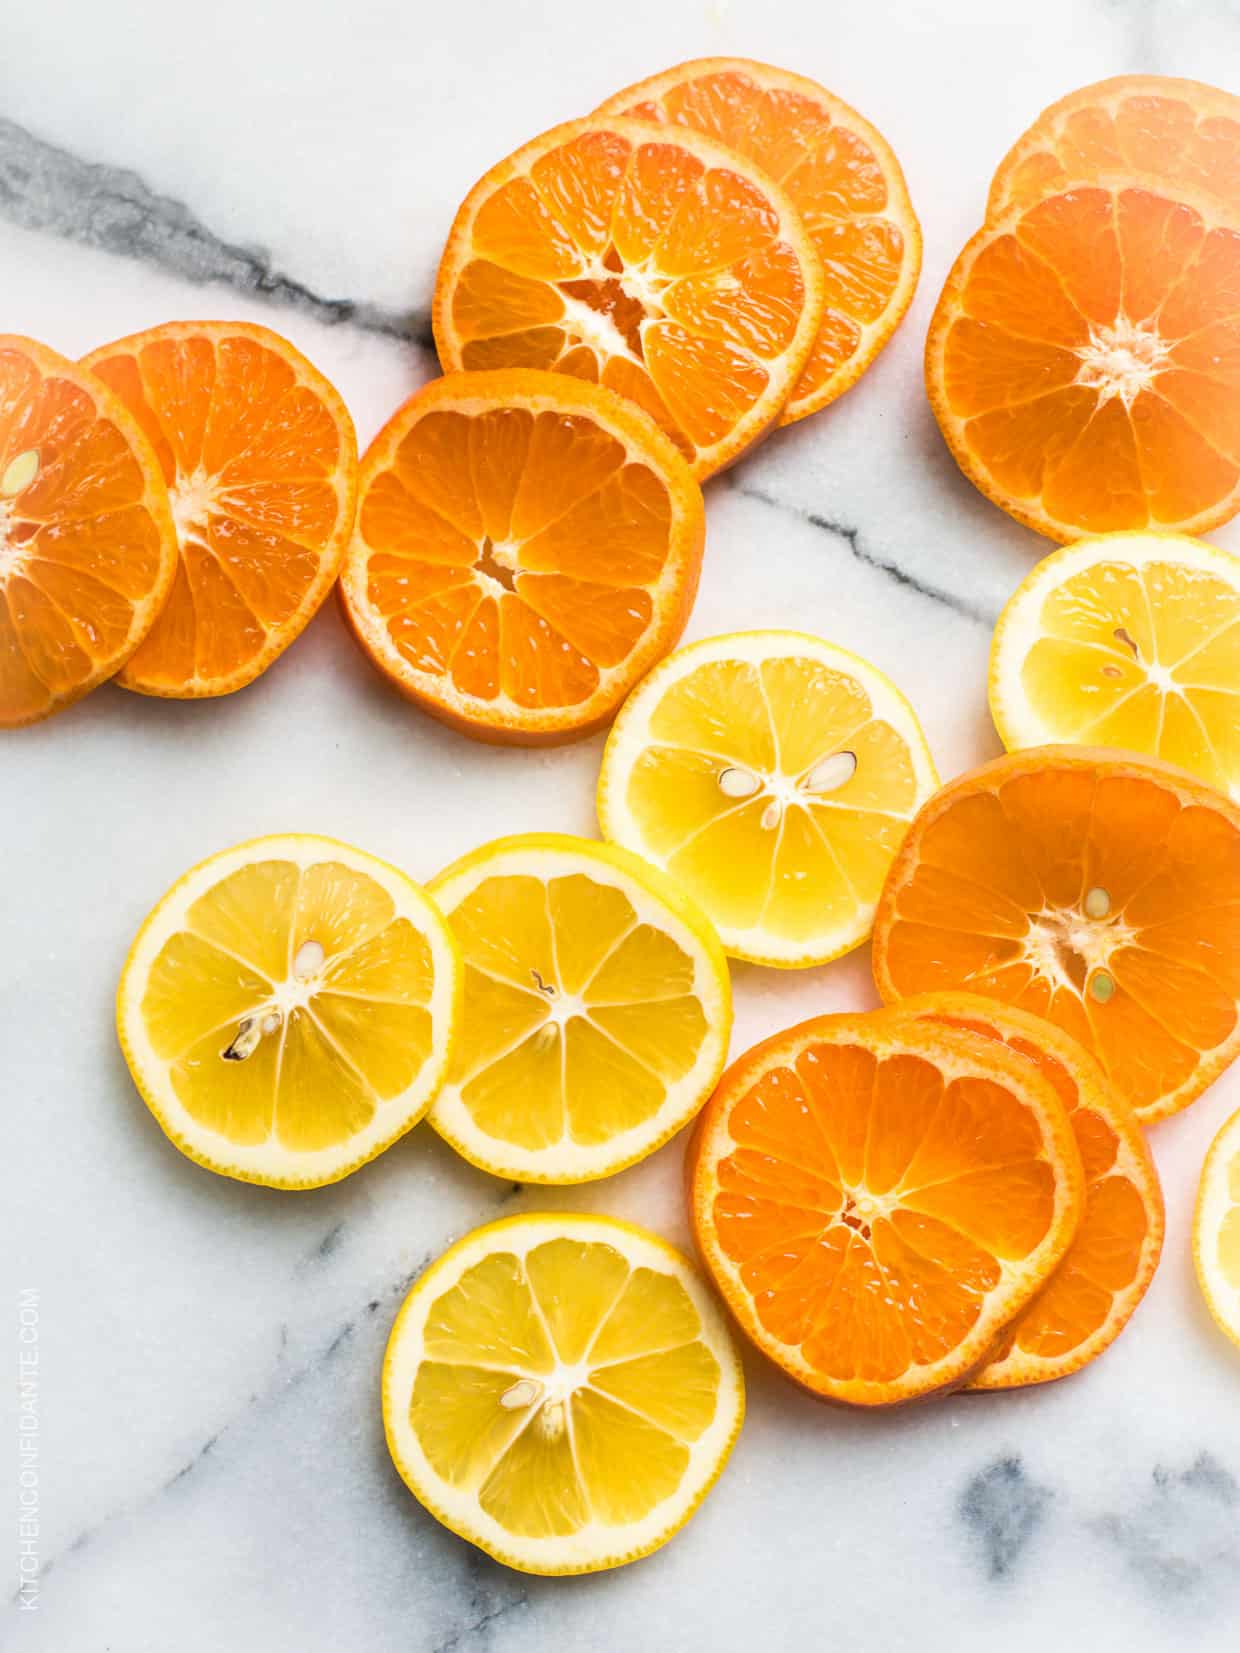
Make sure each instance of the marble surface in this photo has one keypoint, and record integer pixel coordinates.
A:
(212, 1471)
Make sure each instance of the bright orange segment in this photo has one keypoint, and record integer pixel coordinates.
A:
(87, 549)
(842, 177)
(665, 268)
(1084, 360)
(877, 1198)
(1094, 889)
(527, 546)
(260, 460)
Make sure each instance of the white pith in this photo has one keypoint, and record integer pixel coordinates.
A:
(1121, 360)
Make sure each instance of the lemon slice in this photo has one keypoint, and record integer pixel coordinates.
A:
(1128, 640)
(562, 1391)
(1216, 1229)
(288, 1008)
(773, 776)
(597, 1009)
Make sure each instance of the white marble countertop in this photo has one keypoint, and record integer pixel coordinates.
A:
(212, 1469)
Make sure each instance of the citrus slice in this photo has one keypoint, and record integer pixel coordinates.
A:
(1130, 640)
(260, 459)
(876, 1198)
(1178, 131)
(1084, 360)
(597, 1009)
(661, 265)
(527, 546)
(287, 1009)
(842, 177)
(1107, 1269)
(561, 1391)
(773, 776)
(87, 548)
(1216, 1229)
(1098, 890)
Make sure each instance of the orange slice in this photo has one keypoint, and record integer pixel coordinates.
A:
(1178, 131)
(661, 265)
(877, 1198)
(1084, 360)
(87, 549)
(842, 177)
(1107, 1269)
(1099, 890)
(260, 460)
(527, 546)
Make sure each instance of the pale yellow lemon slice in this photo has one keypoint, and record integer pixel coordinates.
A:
(1216, 1229)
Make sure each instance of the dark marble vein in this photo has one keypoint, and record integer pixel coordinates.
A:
(1184, 1535)
(493, 1593)
(1003, 1507)
(44, 187)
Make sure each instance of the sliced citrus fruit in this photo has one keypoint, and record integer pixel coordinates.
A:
(661, 265)
(773, 776)
(1099, 890)
(840, 174)
(87, 548)
(1216, 1229)
(597, 1008)
(260, 459)
(1084, 360)
(287, 1009)
(527, 546)
(1178, 131)
(562, 1391)
(1129, 640)
(1107, 1269)
(876, 1198)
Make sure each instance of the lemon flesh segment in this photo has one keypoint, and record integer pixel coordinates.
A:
(596, 1015)
(562, 1391)
(774, 777)
(1216, 1229)
(287, 1009)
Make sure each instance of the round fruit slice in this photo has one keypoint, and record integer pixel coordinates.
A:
(287, 1010)
(260, 459)
(1130, 640)
(597, 1009)
(87, 547)
(1178, 131)
(773, 776)
(876, 1198)
(562, 1391)
(1098, 890)
(1107, 1269)
(1216, 1229)
(1084, 360)
(661, 265)
(527, 546)
(842, 177)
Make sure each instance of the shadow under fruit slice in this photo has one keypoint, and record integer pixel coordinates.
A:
(87, 547)
(876, 1199)
(527, 546)
(260, 459)
(1097, 889)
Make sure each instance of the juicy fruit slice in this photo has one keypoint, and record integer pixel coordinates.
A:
(87, 548)
(288, 1008)
(527, 546)
(1096, 889)
(562, 1391)
(876, 1198)
(1130, 640)
(773, 776)
(1180, 132)
(842, 177)
(260, 460)
(1107, 1269)
(1216, 1229)
(1084, 363)
(597, 1009)
(663, 266)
